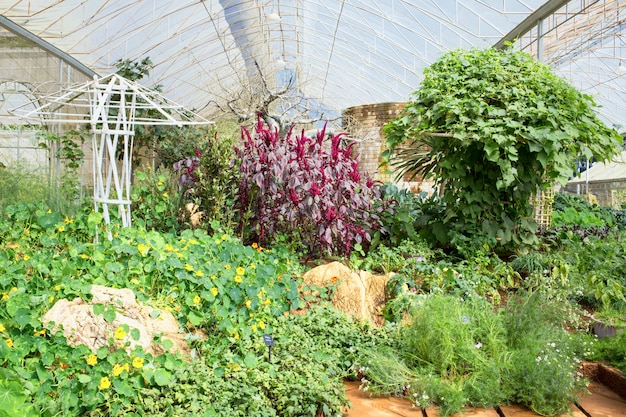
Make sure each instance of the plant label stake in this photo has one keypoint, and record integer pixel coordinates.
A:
(269, 342)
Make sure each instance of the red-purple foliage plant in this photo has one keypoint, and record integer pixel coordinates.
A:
(307, 189)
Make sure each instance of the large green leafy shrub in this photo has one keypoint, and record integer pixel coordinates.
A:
(493, 127)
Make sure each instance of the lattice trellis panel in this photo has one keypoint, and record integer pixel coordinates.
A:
(542, 203)
(112, 106)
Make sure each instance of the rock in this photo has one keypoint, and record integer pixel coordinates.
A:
(357, 293)
(81, 326)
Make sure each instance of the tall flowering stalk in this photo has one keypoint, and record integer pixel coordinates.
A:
(305, 188)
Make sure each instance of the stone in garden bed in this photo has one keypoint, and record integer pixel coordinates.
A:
(359, 294)
(82, 326)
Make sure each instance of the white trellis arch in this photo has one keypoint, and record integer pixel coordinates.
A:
(112, 106)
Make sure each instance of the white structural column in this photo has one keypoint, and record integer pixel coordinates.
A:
(112, 123)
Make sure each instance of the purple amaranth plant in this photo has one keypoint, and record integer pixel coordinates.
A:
(307, 189)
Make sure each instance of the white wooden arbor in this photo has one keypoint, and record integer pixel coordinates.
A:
(113, 106)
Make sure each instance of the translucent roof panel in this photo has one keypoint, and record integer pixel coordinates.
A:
(306, 57)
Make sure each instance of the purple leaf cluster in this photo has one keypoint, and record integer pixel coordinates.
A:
(305, 188)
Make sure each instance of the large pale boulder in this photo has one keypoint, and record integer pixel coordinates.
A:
(360, 294)
(81, 325)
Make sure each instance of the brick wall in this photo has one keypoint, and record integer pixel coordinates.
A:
(364, 124)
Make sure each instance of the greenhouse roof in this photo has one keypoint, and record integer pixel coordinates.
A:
(314, 58)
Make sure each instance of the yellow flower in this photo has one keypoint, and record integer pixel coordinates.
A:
(217, 241)
(261, 324)
(199, 273)
(160, 182)
(249, 304)
(134, 281)
(253, 327)
(196, 299)
(61, 228)
(188, 267)
(266, 302)
(5, 296)
(57, 288)
(138, 363)
(224, 237)
(214, 291)
(240, 271)
(227, 266)
(213, 276)
(105, 383)
(238, 279)
(51, 299)
(165, 195)
(120, 333)
(41, 332)
(252, 266)
(92, 360)
(169, 248)
(83, 256)
(143, 249)
(193, 242)
(117, 369)
(255, 245)
(49, 211)
(26, 257)
(9, 342)
(2, 328)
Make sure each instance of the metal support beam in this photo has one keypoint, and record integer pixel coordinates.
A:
(532, 20)
(46, 46)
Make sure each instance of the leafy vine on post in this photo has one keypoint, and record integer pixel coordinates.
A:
(493, 127)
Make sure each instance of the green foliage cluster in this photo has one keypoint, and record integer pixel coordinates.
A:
(492, 127)
(611, 350)
(574, 210)
(210, 282)
(209, 178)
(461, 351)
(303, 376)
(156, 202)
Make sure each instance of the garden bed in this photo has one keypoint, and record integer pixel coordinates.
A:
(607, 388)
(611, 377)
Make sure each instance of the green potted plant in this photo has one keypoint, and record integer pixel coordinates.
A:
(609, 321)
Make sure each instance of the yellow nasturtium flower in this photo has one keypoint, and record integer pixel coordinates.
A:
(138, 363)
(199, 273)
(240, 271)
(120, 333)
(227, 266)
(92, 360)
(105, 383)
(196, 299)
(9, 342)
(2, 328)
(238, 279)
(118, 369)
(188, 267)
(214, 291)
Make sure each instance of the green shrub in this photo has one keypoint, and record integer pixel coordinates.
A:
(156, 203)
(456, 352)
(208, 179)
(492, 127)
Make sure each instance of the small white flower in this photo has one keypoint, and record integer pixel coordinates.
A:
(479, 345)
